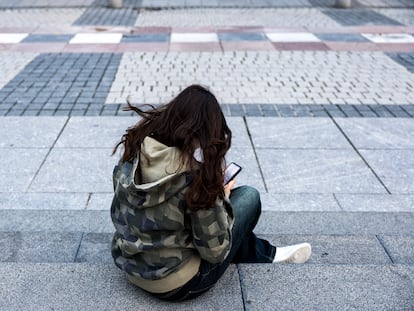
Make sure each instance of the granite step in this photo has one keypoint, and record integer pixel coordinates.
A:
(94, 248)
(82, 286)
(271, 222)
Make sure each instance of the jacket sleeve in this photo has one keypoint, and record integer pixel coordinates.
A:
(212, 231)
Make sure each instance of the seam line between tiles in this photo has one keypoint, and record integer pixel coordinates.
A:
(255, 154)
(242, 289)
(337, 202)
(381, 242)
(359, 154)
(47, 155)
(78, 248)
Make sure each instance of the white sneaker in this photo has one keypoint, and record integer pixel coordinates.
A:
(298, 253)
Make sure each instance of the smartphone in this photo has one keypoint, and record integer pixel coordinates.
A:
(231, 171)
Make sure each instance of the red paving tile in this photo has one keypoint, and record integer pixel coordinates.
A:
(190, 47)
(143, 46)
(5, 47)
(351, 46)
(90, 48)
(396, 47)
(58, 30)
(300, 46)
(378, 29)
(18, 29)
(150, 30)
(247, 46)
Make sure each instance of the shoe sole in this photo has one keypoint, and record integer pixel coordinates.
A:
(300, 254)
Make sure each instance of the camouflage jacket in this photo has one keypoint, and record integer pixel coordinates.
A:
(158, 242)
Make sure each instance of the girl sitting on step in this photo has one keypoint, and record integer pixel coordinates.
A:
(178, 227)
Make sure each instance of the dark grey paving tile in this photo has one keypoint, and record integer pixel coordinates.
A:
(95, 248)
(157, 37)
(61, 78)
(318, 287)
(47, 38)
(404, 59)
(108, 16)
(83, 286)
(357, 17)
(39, 246)
(331, 223)
(342, 37)
(337, 249)
(400, 248)
(51, 220)
(299, 202)
(234, 36)
(43, 201)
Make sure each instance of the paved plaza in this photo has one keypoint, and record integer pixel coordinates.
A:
(320, 102)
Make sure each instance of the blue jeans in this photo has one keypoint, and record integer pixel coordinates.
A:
(246, 247)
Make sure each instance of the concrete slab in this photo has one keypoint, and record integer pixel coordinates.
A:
(374, 133)
(298, 202)
(400, 248)
(330, 223)
(76, 170)
(240, 138)
(317, 171)
(394, 167)
(376, 202)
(296, 133)
(30, 132)
(56, 220)
(95, 248)
(98, 287)
(19, 167)
(92, 132)
(100, 201)
(337, 249)
(250, 175)
(43, 201)
(39, 246)
(336, 287)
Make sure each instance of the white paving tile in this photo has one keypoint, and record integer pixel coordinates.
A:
(96, 38)
(389, 37)
(292, 37)
(193, 37)
(12, 37)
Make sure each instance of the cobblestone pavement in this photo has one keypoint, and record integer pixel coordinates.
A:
(265, 77)
(39, 17)
(288, 17)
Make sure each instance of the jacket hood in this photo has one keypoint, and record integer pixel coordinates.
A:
(159, 165)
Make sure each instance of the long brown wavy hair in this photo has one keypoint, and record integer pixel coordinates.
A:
(193, 119)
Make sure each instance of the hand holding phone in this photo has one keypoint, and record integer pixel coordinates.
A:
(231, 172)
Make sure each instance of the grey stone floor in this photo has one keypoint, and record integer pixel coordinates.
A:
(336, 171)
(344, 185)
